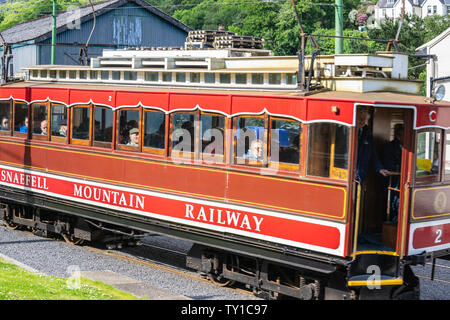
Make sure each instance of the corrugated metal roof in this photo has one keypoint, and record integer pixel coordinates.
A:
(41, 28)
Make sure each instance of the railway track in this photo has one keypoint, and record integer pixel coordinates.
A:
(166, 259)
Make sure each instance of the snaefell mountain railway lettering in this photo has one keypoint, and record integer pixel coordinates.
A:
(124, 199)
(228, 218)
(24, 179)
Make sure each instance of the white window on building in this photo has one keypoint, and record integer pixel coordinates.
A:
(434, 9)
(383, 13)
(428, 10)
(448, 10)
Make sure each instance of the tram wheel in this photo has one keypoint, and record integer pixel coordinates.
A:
(72, 240)
(11, 225)
(219, 280)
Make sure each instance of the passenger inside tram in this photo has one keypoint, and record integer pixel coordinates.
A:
(5, 124)
(379, 178)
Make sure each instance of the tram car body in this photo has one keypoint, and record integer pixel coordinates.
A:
(291, 219)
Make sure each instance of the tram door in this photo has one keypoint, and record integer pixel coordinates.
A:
(379, 143)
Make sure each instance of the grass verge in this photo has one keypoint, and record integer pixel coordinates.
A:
(19, 284)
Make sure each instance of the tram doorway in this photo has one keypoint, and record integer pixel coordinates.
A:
(379, 148)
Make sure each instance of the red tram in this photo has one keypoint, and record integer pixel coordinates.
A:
(227, 153)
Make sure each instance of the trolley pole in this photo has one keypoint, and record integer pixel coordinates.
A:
(53, 33)
(339, 25)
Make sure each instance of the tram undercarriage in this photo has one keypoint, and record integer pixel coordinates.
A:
(271, 277)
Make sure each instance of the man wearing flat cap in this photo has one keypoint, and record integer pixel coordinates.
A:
(134, 137)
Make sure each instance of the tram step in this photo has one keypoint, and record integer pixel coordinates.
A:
(374, 268)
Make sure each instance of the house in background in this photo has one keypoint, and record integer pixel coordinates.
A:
(393, 8)
(438, 66)
(119, 24)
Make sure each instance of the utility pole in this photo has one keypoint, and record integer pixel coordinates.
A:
(53, 33)
(339, 25)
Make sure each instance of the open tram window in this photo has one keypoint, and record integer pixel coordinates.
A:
(58, 123)
(285, 144)
(212, 129)
(40, 121)
(447, 156)
(328, 150)
(103, 127)
(154, 132)
(428, 154)
(250, 140)
(5, 118)
(20, 118)
(81, 124)
(129, 133)
(183, 134)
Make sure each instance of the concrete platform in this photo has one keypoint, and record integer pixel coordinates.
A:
(131, 285)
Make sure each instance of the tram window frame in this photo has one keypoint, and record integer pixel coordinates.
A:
(446, 157)
(6, 132)
(19, 133)
(212, 157)
(288, 166)
(333, 172)
(77, 141)
(245, 160)
(59, 123)
(194, 148)
(98, 143)
(153, 149)
(433, 177)
(36, 123)
(125, 146)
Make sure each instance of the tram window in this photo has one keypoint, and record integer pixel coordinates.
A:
(328, 150)
(241, 78)
(285, 141)
(103, 126)
(116, 75)
(181, 77)
(43, 73)
(167, 76)
(5, 118)
(104, 75)
(194, 77)
(151, 76)
(257, 78)
(183, 133)
(447, 155)
(428, 153)
(72, 74)
(210, 77)
(212, 137)
(154, 129)
(40, 119)
(93, 75)
(274, 78)
(83, 74)
(291, 78)
(130, 75)
(249, 133)
(129, 128)
(20, 117)
(81, 123)
(225, 78)
(35, 73)
(52, 74)
(62, 74)
(59, 121)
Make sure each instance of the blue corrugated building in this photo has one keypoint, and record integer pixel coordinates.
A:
(119, 24)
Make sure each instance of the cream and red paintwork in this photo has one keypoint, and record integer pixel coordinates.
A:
(287, 208)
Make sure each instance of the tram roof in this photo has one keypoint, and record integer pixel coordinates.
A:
(378, 97)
